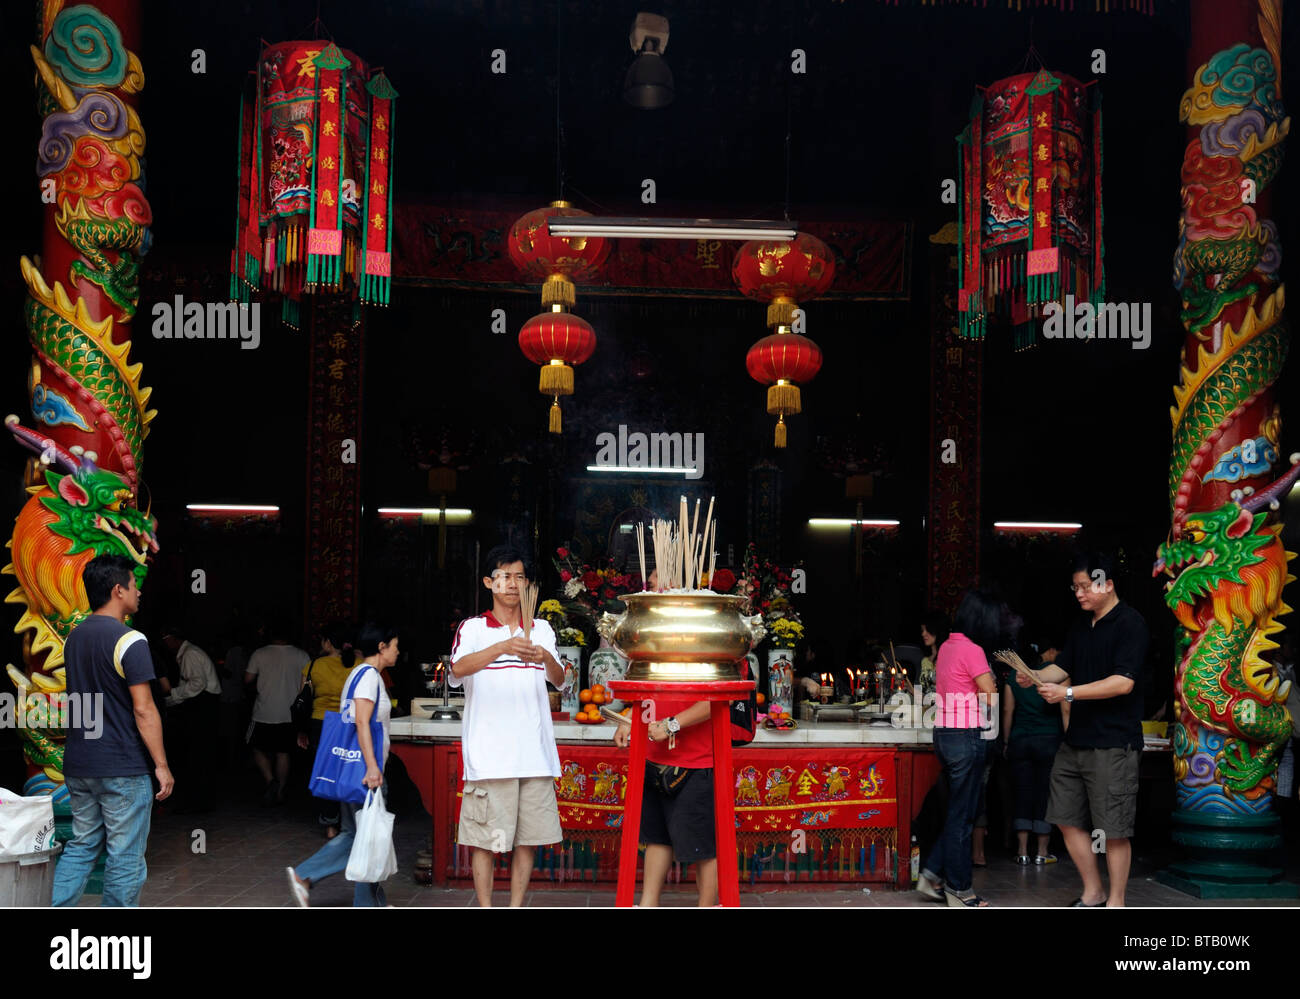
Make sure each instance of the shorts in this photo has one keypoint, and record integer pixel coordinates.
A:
(282, 738)
(684, 821)
(1095, 789)
(499, 815)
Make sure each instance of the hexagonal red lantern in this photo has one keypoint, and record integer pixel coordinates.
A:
(556, 340)
(783, 274)
(556, 261)
(782, 361)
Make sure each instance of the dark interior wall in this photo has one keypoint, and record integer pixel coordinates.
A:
(1071, 430)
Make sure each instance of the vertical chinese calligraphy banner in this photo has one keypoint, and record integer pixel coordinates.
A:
(333, 466)
(953, 522)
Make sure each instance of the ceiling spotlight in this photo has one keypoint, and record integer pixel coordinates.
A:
(649, 82)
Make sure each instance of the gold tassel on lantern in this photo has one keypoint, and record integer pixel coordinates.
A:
(780, 431)
(558, 290)
(556, 379)
(555, 414)
(783, 397)
(780, 312)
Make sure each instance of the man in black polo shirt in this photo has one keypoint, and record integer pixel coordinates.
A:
(1095, 775)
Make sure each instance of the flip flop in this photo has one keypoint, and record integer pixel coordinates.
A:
(956, 901)
(929, 889)
(1079, 903)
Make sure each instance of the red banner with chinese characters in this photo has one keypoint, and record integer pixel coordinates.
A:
(464, 247)
(377, 268)
(952, 527)
(776, 789)
(333, 469)
(325, 238)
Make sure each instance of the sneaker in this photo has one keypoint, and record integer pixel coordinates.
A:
(297, 889)
(1023, 860)
(1040, 860)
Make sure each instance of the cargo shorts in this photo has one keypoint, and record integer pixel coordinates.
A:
(1095, 789)
(499, 815)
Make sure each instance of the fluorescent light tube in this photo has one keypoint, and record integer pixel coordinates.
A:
(644, 228)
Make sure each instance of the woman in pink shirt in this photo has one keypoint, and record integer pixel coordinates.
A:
(966, 690)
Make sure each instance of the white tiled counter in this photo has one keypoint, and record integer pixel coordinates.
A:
(425, 729)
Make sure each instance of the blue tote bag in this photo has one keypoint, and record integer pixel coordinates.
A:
(339, 768)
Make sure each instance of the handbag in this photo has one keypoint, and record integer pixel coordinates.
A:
(373, 858)
(340, 767)
(669, 780)
(744, 713)
(303, 705)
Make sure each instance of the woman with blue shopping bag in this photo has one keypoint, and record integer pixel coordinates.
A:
(348, 743)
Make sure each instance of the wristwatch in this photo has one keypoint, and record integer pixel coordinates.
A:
(672, 726)
(1069, 695)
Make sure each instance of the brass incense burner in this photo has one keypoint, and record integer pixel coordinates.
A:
(682, 637)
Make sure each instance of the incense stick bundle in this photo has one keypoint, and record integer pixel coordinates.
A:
(1016, 663)
(527, 604)
(640, 550)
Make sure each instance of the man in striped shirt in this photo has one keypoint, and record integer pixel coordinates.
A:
(507, 740)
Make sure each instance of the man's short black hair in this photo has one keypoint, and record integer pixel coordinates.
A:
(102, 573)
(506, 555)
(1096, 561)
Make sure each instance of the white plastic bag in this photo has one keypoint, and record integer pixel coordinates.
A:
(373, 858)
(26, 824)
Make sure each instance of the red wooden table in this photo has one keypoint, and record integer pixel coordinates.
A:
(721, 694)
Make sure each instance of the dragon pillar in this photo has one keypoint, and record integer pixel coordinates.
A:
(89, 411)
(1224, 556)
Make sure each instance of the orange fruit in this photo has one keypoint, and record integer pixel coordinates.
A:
(597, 697)
(584, 696)
(598, 718)
(761, 698)
(598, 689)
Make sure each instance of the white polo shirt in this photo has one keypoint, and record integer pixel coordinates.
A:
(507, 730)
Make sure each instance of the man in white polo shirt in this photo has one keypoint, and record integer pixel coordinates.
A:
(507, 741)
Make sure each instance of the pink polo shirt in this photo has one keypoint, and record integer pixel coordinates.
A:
(960, 662)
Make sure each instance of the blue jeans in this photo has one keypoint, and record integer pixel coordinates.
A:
(112, 811)
(962, 753)
(332, 858)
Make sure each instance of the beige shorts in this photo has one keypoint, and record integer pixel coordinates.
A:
(498, 815)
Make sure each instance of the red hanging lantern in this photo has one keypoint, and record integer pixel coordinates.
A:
(1029, 205)
(315, 200)
(782, 361)
(783, 273)
(556, 340)
(556, 261)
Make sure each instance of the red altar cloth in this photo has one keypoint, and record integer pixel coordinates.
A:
(794, 788)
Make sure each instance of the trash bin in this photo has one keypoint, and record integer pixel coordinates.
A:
(28, 879)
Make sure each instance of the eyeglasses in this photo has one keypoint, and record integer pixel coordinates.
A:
(518, 577)
(1077, 588)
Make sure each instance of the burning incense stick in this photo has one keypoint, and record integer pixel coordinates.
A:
(1015, 662)
(527, 604)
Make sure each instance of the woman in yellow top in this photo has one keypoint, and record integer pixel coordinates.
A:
(327, 673)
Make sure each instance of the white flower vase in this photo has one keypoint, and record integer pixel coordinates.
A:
(606, 664)
(571, 660)
(780, 679)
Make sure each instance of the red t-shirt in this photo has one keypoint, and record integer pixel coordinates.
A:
(694, 748)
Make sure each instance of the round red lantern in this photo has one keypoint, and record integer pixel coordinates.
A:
(556, 340)
(783, 274)
(782, 361)
(557, 261)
